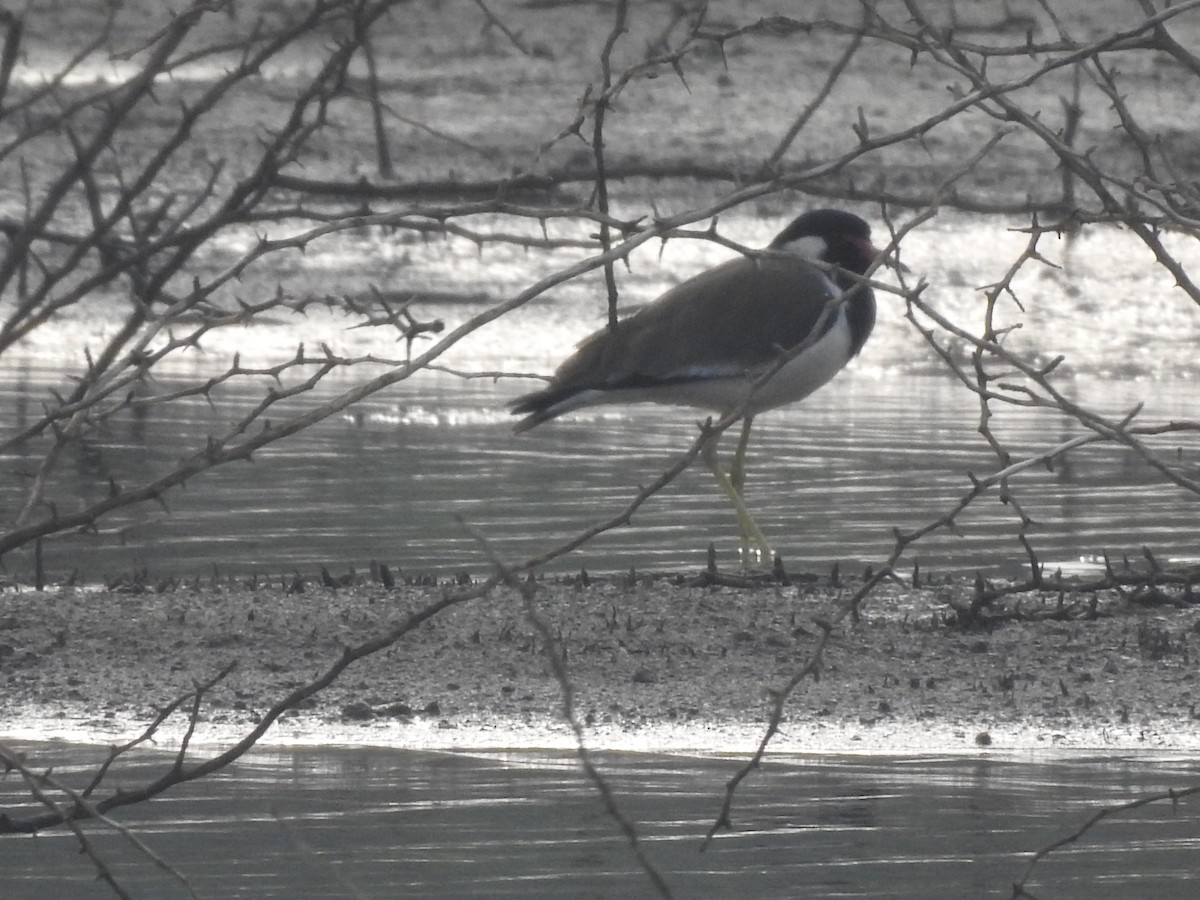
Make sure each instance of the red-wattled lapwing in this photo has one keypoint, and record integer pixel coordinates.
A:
(709, 341)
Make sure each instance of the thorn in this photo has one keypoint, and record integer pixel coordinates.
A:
(860, 127)
(679, 73)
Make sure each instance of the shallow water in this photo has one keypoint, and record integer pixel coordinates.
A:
(385, 823)
(828, 481)
(889, 444)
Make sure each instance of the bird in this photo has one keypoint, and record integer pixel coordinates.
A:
(752, 334)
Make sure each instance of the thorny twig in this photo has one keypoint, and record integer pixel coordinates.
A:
(143, 237)
(1174, 796)
(40, 784)
(556, 657)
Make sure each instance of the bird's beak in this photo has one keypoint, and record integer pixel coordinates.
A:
(874, 253)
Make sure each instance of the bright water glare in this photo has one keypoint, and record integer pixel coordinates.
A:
(891, 443)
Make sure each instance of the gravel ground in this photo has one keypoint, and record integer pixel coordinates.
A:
(660, 663)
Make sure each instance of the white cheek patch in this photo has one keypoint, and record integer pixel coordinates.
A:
(810, 247)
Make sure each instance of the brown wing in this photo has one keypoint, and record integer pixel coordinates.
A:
(723, 322)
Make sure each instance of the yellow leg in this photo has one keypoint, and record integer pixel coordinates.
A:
(746, 525)
(754, 546)
(737, 469)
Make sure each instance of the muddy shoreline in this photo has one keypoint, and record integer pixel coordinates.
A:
(655, 665)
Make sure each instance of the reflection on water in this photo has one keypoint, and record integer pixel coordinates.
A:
(386, 823)
(829, 480)
(890, 444)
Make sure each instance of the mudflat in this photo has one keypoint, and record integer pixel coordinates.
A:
(654, 662)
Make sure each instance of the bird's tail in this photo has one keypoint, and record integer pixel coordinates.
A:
(537, 407)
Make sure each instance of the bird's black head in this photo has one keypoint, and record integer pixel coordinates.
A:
(832, 236)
